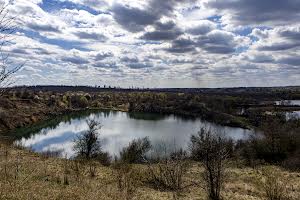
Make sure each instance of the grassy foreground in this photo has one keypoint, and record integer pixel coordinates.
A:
(28, 175)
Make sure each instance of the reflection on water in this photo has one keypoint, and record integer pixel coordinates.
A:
(119, 128)
(288, 102)
(292, 115)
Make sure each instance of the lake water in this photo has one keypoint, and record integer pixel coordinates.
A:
(292, 115)
(288, 102)
(118, 129)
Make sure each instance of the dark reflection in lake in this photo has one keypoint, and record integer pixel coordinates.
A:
(119, 128)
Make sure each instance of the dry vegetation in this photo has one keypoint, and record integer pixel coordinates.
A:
(27, 175)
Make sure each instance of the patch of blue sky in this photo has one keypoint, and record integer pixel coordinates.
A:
(245, 31)
(240, 50)
(55, 5)
(64, 44)
(215, 18)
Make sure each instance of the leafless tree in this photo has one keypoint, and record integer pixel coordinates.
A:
(87, 145)
(211, 148)
(136, 151)
(7, 28)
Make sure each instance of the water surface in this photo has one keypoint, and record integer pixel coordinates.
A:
(118, 129)
(288, 102)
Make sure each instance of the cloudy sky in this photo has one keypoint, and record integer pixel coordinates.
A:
(157, 43)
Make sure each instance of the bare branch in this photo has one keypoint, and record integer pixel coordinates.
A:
(7, 29)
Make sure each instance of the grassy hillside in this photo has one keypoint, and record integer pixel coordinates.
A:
(26, 175)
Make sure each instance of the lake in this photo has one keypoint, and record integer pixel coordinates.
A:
(118, 130)
(292, 115)
(288, 102)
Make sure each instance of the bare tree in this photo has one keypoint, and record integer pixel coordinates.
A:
(136, 151)
(7, 28)
(87, 145)
(211, 148)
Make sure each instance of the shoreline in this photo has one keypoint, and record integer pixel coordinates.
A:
(59, 114)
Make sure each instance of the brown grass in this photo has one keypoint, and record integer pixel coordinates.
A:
(26, 175)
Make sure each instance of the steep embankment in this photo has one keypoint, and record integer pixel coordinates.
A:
(19, 113)
(22, 108)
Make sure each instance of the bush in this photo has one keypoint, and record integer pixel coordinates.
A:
(168, 174)
(79, 101)
(212, 150)
(136, 151)
(87, 145)
(274, 184)
(127, 179)
(104, 158)
(279, 144)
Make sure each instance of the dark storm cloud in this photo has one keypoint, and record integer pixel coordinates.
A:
(247, 12)
(43, 27)
(91, 36)
(133, 19)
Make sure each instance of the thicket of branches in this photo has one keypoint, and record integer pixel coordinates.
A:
(7, 28)
(87, 145)
(212, 149)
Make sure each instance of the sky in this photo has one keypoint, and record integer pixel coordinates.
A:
(156, 43)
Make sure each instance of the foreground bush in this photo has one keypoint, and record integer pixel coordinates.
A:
(275, 186)
(88, 145)
(127, 179)
(168, 173)
(136, 151)
(210, 148)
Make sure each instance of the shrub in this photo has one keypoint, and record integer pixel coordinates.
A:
(104, 158)
(274, 184)
(168, 174)
(79, 101)
(127, 179)
(87, 145)
(212, 150)
(136, 151)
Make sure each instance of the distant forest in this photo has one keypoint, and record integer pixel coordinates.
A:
(288, 92)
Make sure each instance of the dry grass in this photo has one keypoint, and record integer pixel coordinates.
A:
(26, 175)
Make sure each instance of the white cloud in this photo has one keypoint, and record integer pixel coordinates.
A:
(154, 43)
